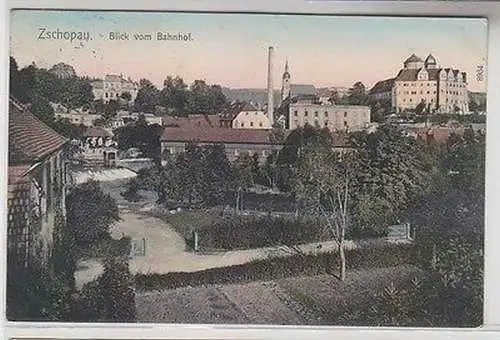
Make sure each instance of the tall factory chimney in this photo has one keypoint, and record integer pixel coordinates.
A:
(270, 88)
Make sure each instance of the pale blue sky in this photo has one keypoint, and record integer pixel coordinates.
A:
(230, 49)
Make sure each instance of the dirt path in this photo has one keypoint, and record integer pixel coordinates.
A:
(166, 250)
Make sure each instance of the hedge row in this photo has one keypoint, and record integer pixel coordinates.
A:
(247, 232)
(280, 267)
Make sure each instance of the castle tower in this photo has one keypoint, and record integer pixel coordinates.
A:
(430, 62)
(285, 83)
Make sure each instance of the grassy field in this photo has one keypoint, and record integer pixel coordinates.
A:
(306, 300)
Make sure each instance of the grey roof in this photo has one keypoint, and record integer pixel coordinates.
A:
(299, 89)
(413, 59)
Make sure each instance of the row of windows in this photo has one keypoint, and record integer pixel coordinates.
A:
(456, 93)
(316, 113)
(249, 152)
(415, 92)
(317, 124)
(256, 113)
(236, 152)
(415, 84)
(433, 84)
(242, 124)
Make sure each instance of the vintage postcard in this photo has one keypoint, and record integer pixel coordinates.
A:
(250, 169)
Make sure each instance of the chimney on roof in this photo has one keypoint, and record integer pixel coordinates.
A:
(270, 104)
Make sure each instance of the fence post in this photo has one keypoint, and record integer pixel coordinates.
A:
(195, 239)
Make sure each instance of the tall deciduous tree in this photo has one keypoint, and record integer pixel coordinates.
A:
(357, 94)
(323, 185)
(148, 97)
(174, 95)
(216, 174)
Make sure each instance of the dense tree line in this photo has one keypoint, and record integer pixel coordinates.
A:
(180, 99)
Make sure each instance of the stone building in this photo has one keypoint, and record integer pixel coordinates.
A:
(334, 117)
(440, 90)
(38, 181)
(303, 106)
(112, 87)
(236, 141)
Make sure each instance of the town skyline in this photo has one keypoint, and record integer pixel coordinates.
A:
(459, 44)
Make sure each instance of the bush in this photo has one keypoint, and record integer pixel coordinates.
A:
(420, 303)
(110, 298)
(245, 232)
(116, 287)
(131, 194)
(280, 267)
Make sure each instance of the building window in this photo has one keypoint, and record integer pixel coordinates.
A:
(242, 124)
(295, 113)
(326, 123)
(251, 123)
(316, 123)
(345, 122)
(345, 114)
(326, 113)
(246, 113)
(260, 124)
(305, 113)
(106, 95)
(236, 152)
(428, 92)
(410, 99)
(316, 114)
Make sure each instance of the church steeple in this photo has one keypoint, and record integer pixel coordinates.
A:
(285, 83)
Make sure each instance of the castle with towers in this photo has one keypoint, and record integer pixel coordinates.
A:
(424, 83)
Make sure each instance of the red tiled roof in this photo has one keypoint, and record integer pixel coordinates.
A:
(17, 172)
(216, 135)
(29, 138)
(95, 131)
(198, 120)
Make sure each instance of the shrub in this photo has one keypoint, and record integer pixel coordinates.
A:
(245, 232)
(110, 298)
(116, 287)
